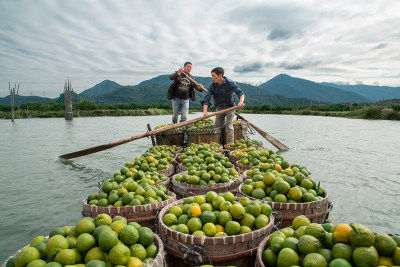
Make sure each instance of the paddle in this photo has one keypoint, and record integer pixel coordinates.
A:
(193, 81)
(95, 149)
(270, 138)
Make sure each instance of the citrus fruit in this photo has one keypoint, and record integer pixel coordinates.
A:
(85, 242)
(314, 260)
(299, 221)
(316, 231)
(136, 225)
(151, 251)
(95, 254)
(107, 240)
(276, 243)
(385, 261)
(342, 251)
(184, 218)
(209, 229)
(146, 236)
(384, 244)
(102, 219)
(363, 256)
(224, 217)
(237, 211)
(37, 263)
(327, 253)
(300, 232)
(258, 193)
(98, 231)
(85, 226)
(53, 264)
(134, 262)
(269, 257)
(396, 256)
(244, 229)
(216, 202)
(170, 219)
(198, 233)
(37, 239)
(308, 244)
(248, 220)
(66, 257)
(339, 263)
(26, 255)
(182, 228)
(56, 244)
(96, 263)
(41, 247)
(225, 206)
(328, 227)
(120, 218)
(138, 251)
(210, 195)
(253, 208)
(288, 257)
(361, 236)
(232, 228)
(291, 242)
(119, 254)
(194, 224)
(58, 231)
(194, 211)
(341, 233)
(261, 221)
(287, 231)
(129, 235)
(208, 216)
(117, 226)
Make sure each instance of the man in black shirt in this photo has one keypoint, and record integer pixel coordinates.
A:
(180, 91)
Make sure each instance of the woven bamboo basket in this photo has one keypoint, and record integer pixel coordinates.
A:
(239, 250)
(240, 130)
(158, 261)
(242, 167)
(204, 135)
(316, 211)
(168, 171)
(143, 214)
(263, 245)
(184, 190)
(171, 137)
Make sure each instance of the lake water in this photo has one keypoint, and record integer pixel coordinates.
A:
(357, 162)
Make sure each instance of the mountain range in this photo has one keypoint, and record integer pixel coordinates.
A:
(280, 90)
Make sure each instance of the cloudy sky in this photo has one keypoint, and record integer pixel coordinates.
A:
(43, 43)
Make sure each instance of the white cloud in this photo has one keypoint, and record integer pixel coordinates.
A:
(42, 43)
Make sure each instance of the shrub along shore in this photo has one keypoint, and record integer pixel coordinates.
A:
(88, 109)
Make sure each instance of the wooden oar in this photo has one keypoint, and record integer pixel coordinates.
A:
(193, 81)
(95, 149)
(267, 136)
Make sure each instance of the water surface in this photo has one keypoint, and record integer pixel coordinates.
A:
(357, 162)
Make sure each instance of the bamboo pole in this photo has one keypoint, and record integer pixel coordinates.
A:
(267, 136)
(139, 136)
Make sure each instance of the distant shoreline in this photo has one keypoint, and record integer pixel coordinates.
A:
(369, 112)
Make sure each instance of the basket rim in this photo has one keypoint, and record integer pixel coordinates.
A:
(138, 208)
(197, 186)
(205, 240)
(295, 206)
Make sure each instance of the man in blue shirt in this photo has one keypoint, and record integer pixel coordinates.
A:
(223, 90)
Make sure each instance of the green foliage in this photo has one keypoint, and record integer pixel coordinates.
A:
(371, 112)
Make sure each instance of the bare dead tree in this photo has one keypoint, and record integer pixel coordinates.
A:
(68, 100)
(12, 98)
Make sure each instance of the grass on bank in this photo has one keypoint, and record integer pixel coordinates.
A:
(88, 109)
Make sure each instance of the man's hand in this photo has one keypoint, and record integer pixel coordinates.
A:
(205, 114)
(241, 104)
(179, 71)
(201, 87)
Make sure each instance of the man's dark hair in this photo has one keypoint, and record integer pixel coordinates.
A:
(218, 71)
(187, 63)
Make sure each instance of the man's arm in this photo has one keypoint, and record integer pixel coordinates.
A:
(241, 101)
